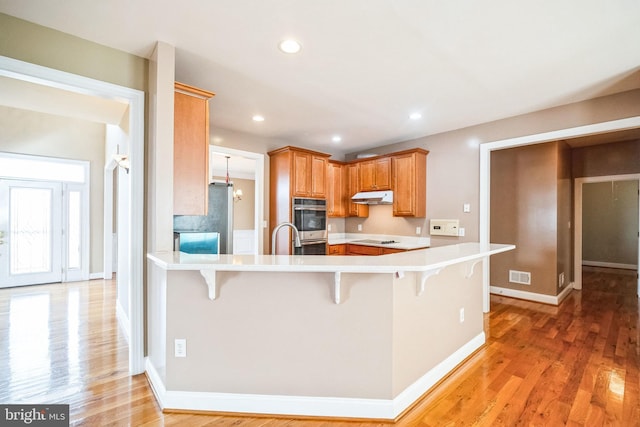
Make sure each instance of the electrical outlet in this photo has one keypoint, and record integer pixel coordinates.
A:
(418, 230)
(462, 315)
(328, 227)
(180, 347)
(466, 208)
(359, 227)
(461, 231)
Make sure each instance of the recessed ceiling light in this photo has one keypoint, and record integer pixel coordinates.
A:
(415, 116)
(258, 118)
(336, 138)
(290, 46)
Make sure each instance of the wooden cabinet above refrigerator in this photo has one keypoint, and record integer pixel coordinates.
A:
(190, 150)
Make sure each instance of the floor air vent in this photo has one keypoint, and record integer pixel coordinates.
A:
(522, 277)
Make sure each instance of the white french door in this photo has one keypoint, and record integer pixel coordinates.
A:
(31, 244)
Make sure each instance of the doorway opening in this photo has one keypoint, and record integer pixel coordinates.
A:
(485, 174)
(44, 220)
(133, 139)
(249, 166)
(634, 223)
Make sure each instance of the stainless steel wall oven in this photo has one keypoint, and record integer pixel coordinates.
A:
(310, 218)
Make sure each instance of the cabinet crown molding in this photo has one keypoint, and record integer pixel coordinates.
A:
(298, 149)
(192, 90)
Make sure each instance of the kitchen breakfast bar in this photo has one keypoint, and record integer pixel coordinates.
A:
(327, 336)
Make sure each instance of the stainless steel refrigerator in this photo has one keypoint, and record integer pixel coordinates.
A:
(219, 218)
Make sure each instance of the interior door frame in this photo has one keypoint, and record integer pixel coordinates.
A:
(259, 186)
(577, 220)
(485, 174)
(50, 77)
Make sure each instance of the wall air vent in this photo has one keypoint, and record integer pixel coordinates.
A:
(521, 277)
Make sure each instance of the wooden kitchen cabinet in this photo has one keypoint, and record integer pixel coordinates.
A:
(409, 170)
(375, 174)
(386, 251)
(309, 174)
(363, 250)
(294, 172)
(190, 150)
(337, 249)
(353, 186)
(336, 189)
(352, 249)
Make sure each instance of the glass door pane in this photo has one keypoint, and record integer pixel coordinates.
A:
(30, 222)
(73, 231)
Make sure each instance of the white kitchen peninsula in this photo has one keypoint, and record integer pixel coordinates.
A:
(331, 336)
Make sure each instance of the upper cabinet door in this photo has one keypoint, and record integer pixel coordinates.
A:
(302, 179)
(318, 177)
(309, 175)
(410, 184)
(336, 190)
(190, 150)
(353, 186)
(375, 174)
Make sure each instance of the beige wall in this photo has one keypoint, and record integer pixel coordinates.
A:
(375, 344)
(616, 158)
(524, 212)
(610, 222)
(313, 347)
(44, 46)
(244, 209)
(28, 132)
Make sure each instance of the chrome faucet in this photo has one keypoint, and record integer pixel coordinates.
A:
(296, 242)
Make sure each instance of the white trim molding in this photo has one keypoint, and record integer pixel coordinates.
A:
(532, 296)
(381, 409)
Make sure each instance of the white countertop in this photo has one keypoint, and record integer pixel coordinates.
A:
(416, 260)
(407, 243)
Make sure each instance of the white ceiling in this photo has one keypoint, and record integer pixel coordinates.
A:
(366, 64)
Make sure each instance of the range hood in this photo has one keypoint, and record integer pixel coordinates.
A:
(373, 198)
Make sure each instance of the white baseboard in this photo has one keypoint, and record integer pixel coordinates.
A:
(387, 409)
(532, 296)
(123, 321)
(610, 265)
(94, 276)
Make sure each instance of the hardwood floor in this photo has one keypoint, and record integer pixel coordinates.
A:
(577, 364)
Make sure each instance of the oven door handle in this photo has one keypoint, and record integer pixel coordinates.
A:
(312, 242)
(309, 208)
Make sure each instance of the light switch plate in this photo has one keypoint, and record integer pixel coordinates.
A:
(180, 347)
